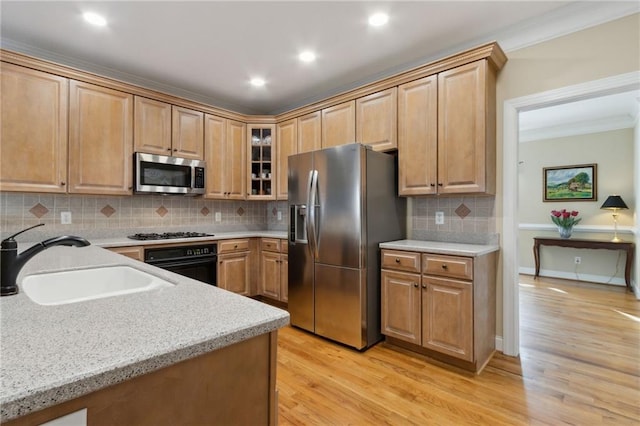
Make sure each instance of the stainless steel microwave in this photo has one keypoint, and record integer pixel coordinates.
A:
(159, 174)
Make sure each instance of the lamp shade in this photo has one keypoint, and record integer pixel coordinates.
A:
(614, 202)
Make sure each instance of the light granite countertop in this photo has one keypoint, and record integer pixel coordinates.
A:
(438, 247)
(51, 354)
(123, 241)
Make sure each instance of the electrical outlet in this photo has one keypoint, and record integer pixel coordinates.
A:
(577, 260)
(218, 217)
(65, 218)
(279, 215)
(439, 218)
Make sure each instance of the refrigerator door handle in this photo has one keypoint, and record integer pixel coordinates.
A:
(311, 212)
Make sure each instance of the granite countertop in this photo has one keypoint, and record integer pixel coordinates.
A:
(123, 241)
(51, 354)
(438, 247)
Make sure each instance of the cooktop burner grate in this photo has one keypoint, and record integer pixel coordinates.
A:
(168, 235)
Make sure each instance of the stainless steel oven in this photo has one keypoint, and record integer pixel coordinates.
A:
(197, 261)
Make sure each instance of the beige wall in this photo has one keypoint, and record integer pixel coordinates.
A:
(602, 51)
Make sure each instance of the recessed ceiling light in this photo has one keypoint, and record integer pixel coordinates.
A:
(94, 19)
(307, 56)
(257, 82)
(378, 19)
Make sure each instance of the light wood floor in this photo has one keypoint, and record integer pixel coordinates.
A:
(579, 365)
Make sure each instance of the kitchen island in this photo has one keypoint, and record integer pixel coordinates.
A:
(184, 353)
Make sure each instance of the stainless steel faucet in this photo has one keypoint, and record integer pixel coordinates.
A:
(11, 262)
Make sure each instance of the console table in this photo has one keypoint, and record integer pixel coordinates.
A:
(586, 244)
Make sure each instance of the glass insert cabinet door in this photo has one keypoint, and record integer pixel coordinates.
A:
(261, 167)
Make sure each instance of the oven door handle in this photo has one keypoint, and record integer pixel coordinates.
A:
(172, 263)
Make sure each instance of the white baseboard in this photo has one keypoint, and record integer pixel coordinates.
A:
(573, 276)
(499, 343)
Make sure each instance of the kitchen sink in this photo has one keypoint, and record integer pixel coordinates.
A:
(78, 285)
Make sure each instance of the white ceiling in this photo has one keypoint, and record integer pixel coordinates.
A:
(208, 50)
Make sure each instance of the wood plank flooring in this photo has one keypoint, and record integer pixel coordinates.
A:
(579, 365)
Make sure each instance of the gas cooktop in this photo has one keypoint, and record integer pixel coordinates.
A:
(168, 235)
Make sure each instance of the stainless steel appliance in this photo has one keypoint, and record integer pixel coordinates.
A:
(343, 202)
(168, 235)
(159, 174)
(194, 261)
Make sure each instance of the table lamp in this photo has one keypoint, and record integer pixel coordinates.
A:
(615, 203)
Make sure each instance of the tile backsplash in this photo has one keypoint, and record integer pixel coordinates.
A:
(90, 214)
(466, 219)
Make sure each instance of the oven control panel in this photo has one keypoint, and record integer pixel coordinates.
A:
(179, 252)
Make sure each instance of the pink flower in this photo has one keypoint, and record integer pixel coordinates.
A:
(574, 213)
(565, 214)
(556, 213)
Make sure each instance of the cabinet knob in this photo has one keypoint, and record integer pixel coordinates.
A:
(424, 286)
(415, 285)
(168, 149)
(432, 184)
(444, 266)
(235, 247)
(130, 188)
(63, 183)
(439, 184)
(175, 149)
(397, 260)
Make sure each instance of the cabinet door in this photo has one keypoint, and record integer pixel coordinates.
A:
(187, 133)
(287, 136)
(215, 156)
(100, 140)
(401, 306)
(33, 153)
(339, 124)
(310, 132)
(447, 316)
(461, 129)
(235, 158)
(418, 137)
(261, 170)
(376, 120)
(135, 252)
(233, 272)
(152, 126)
(284, 277)
(270, 275)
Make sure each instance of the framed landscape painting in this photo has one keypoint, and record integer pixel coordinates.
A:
(570, 183)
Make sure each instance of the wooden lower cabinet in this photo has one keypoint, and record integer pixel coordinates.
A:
(135, 252)
(234, 266)
(446, 311)
(274, 270)
(232, 385)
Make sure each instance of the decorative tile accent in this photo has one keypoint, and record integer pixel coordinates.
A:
(108, 211)
(38, 210)
(274, 211)
(462, 211)
(162, 211)
(205, 211)
(240, 211)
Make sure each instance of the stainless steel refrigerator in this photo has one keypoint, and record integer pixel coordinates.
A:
(343, 202)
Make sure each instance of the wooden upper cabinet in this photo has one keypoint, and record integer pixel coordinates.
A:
(287, 136)
(100, 140)
(376, 120)
(261, 161)
(339, 124)
(152, 126)
(34, 133)
(310, 132)
(418, 136)
(466, 129)
(187, 133)
(446, 134)
(235, 158)
(215, 156)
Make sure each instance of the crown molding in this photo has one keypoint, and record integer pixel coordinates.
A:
(624, 121)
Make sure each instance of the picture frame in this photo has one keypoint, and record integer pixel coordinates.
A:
(570, 183)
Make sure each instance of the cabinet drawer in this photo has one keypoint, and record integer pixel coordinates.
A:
(284, 246)
(270, 244)
(448, 266)
(401, 260)
(228, 246)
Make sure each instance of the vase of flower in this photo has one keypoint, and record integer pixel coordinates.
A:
(565, 232)
(565, 221)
